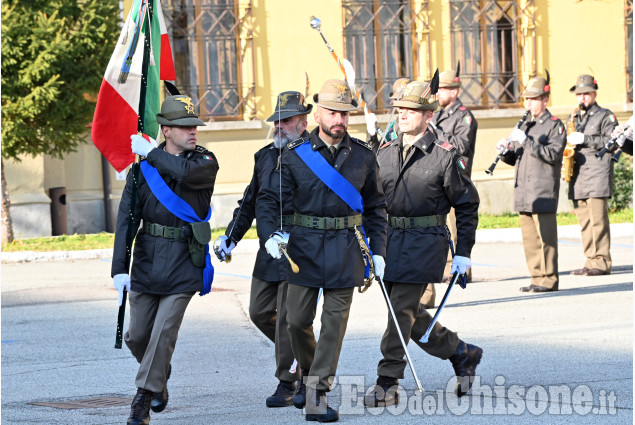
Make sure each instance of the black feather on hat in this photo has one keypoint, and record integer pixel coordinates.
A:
(458, 70)
(434, 83)
(171, 88)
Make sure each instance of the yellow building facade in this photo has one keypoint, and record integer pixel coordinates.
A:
(234, 56)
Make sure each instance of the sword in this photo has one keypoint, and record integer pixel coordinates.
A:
(403, 342)
(455, 278)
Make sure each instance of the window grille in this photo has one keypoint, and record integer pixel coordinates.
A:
(383, 40)
(495, 42)
(212, 44)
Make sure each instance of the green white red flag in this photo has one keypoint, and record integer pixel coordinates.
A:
(117, 112)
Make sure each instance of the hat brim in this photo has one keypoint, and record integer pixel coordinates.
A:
(583, 89)
(531, 95)
(180, 122)
(412, 105)
(284, 114)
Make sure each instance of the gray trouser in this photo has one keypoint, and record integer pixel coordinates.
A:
(268, 311)
(321, 357)
(413, 321)
(154, 327)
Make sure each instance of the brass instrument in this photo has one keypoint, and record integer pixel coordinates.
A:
(569, 150)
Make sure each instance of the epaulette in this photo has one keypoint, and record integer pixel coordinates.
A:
(297, 142)
(444, 145)
(203, 151)
(361, 142)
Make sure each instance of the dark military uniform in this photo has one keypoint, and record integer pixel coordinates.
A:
(267, 305)
(457, 126)
(592, 185)
(328, 257)
(163, 277)
(420, 191)
(538, 161)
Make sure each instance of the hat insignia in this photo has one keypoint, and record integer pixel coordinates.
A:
(189, 106)
(342, 90)
(284, 99)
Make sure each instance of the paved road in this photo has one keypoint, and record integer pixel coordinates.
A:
(564, 357)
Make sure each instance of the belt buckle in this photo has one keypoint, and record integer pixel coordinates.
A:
(158, 230)
(400, 222)
(169, 231)
(329, 223)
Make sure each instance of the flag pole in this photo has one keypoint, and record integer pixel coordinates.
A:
(130, 234)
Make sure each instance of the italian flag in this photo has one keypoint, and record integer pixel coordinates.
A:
(117, 112)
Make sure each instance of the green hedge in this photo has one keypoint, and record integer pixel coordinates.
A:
(622, 184)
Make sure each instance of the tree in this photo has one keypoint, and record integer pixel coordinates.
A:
(54, 53)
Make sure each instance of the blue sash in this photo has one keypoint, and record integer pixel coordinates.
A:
(182, 210)
(336, 182)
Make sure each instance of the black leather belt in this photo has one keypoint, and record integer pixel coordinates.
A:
(154, 229)
(328, 223)
(414, 222)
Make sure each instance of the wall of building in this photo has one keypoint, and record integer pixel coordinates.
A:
(572, 37)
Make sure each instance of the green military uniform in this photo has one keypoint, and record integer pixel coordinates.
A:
(591, 185)
(538, 160)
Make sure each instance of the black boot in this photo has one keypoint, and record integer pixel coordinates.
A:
(299, 398)
(384, 394)
(160, 400)
(283, 396)
(464, 362)
(317, 409)
(140, 408)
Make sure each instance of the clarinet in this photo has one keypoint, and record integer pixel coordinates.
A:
(490, 170)
(619, 140)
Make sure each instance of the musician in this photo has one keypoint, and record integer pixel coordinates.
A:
(536, 148)
(591, 185)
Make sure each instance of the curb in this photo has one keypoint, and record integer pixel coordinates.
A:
(251, 245)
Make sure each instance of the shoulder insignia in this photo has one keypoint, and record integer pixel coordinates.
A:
(462, 108)
(361, 142)
(385, 145)
(555, 118)
(461, 162)
(560, 129)
(612, 118)
(467, 119)
(445, 145)
(297, 142)
(203, 151)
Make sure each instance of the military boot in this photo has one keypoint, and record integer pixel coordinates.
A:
(160, 400)
(464, 362)
(317, 409)
(283, 396)
(299, 398)
(140, 408)
(385, 393)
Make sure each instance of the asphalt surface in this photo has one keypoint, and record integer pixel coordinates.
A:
(561, 357)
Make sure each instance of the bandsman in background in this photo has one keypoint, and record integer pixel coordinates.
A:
(456, 125)
(373, 136)
(421, 178)
(332, 181)
(267, 304)
(591, 185)
(535, 148)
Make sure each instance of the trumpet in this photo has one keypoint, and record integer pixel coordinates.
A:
(490, 170)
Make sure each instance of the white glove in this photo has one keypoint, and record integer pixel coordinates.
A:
(141, 146)
(518, 136)
(617, 131)
(223, 247)
(371, 122)
(121, 281)
(460, 264)
(272, 245)
(575, 138)
(380, 266)
(502, 144)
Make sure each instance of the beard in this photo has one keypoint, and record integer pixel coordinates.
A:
(281, 137)
(335, 132)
